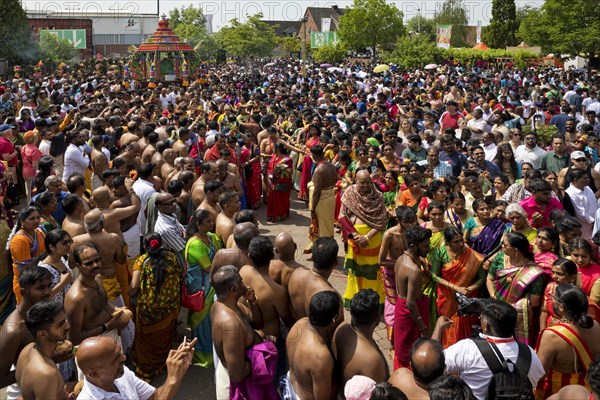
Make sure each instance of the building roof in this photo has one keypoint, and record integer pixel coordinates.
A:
(164, 39)
(318, 13)
(284, 28)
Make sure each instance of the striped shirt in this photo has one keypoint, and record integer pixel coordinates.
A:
(172, 233)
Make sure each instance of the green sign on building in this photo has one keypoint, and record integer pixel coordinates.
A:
(75, 36)
(320, 39)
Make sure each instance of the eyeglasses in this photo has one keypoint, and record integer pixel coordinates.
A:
(580, 159)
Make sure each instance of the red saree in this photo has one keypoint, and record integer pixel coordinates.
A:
(307, 165)
(280, 186)
(253, 179)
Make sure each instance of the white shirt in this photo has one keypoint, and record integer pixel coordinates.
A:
(533, 156)
(464, 357)
(585, 205)
(143, 189)
(479, 124)
(76, 161)
(45, 147)
(130, 387)
(490, 152)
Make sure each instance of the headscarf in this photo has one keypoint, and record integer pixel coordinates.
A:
(369, 208)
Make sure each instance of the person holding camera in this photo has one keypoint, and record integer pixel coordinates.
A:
(498, 322)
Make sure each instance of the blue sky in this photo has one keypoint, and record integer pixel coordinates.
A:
(225, 10)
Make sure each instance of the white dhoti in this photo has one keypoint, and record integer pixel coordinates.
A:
(127, 333)
(13, 392)
(132, 238)
(287, 389)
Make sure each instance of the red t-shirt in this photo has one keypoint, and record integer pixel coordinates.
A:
(450, 121)
(6, 147)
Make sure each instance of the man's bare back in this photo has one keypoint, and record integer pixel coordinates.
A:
(303, 284)
(224, 227)
(403, 379)
(327, 174)
(125, 202)
(235, 257)
(407, 273)
(73, 227)
(280, 271)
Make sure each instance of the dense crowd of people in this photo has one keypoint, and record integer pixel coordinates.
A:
(463, 225)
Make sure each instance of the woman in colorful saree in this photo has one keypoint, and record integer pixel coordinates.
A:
(581, 253)
(515, 279)
(412, 196)
(25, 243)
(546, 249)
(201, 248)
(567, 349)
(155, 286)
(457, 213)
(483, 233)
(280, 184)
(563, 271)
(436, 191)
(314, 139)
(250, 162)
(518, 217)
(456, 268)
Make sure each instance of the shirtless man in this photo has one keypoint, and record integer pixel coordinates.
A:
(73, 222)
(304, 283)
(230, 180)
(209, 171)
(232, 330)
(321, 195)
(224, 224)
(112, 252)
(240, 217)
(274, 302)
(98, 161)
(353, 345)
(131, 154)
(34, 283)
(311, 362)
(37, 373)
(281, 269)
(238, 256)
(427, 363)
(184, 200)
(76, 186)
(180, 146)
(411, 314)
(150, 148)
(213, 190)
(393, 245)
(86, 304)
(125, 202)
(157, 158)
(169, 165)
(114, 216)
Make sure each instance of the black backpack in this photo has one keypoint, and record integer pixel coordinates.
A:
(507, 382)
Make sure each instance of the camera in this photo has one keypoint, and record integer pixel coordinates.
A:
(467, 306)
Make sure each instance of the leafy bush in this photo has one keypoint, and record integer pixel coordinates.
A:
(329, 53)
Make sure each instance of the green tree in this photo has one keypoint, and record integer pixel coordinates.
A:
(290, 44)
(330, 53)
(55, 51)
(414, 53)
(370, 23)
(422, 26)
(17, 44)
(564, 28)
(250, 39)
(188, 23)
(454, 12)
(501, 32)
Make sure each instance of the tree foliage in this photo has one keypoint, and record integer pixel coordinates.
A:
(370, 23)
(55, 51)
(414, 53)
(330, 53)
(188, 23)
(454, 12)
(291, 44)
(564, 28)
(250, 39)
(422, 26)
(17, 44)
(501, 32)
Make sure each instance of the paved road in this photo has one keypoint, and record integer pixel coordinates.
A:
(199, 382)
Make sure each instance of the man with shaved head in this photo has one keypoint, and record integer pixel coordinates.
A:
(102, 362)
(169, 166)
(427, 362)
(281, 269)
(73, 222)
(209, 171)
(230, 180)
(237, 256)
(230, 204)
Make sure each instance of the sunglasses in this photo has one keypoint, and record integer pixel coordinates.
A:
(580, 159)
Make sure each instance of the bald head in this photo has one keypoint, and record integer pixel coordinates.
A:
(427, 360)
(102, 197)
(96, 357)
(94, 221)
(163, 198)
(243, 234)
(364, 174)
(285, 246)
(169, 156)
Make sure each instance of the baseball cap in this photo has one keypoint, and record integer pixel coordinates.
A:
(574, 155)
(5, 127)
(323, 107)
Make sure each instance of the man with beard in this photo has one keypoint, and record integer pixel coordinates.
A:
(37, 373)
(363, 209)
(106, 377)
(35, 286)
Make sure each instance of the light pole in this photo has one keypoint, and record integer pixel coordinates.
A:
(304, 20)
